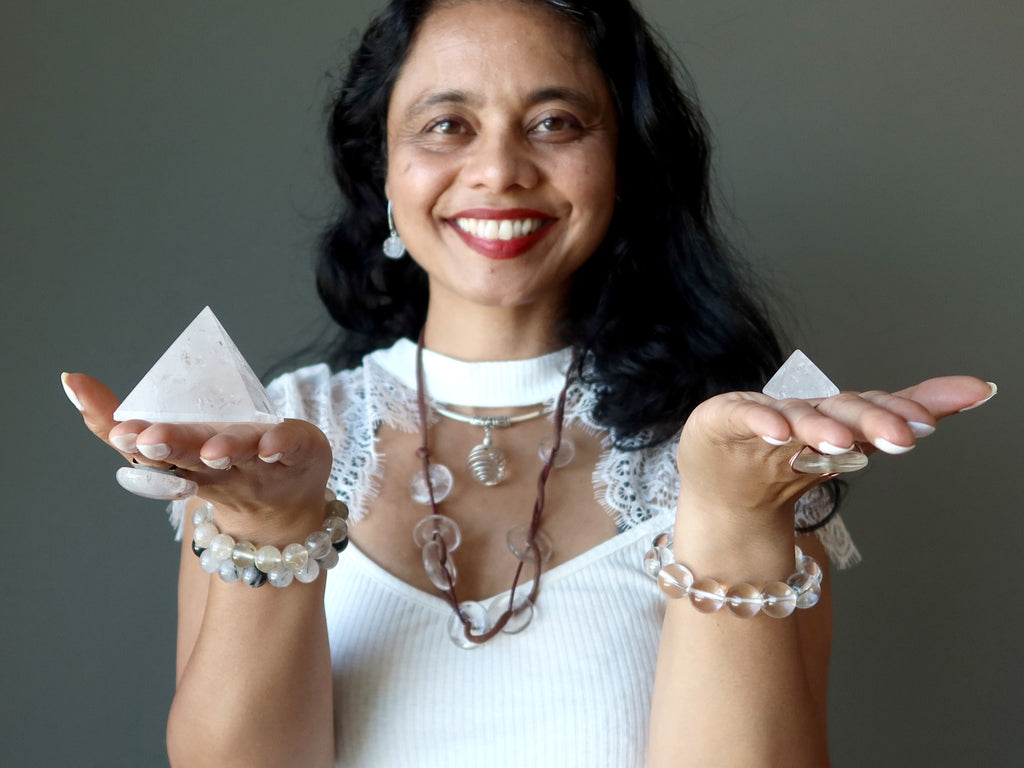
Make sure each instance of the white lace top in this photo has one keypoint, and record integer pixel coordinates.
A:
(575, 687)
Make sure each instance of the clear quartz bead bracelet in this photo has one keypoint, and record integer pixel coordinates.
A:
(777, 599)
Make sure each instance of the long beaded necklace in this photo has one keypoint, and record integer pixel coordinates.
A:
(471, 624)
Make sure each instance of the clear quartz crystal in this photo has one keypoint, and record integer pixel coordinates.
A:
(244, 554)
(675, 580)
(318, 543)
(566, 450)
(521, 617)
(268, 558)
(814, 463)
(438, 525)
(799, 377)
(436, 572)
(707, 595)
(209, 562)
(308, 573)
(476, 614)
(744, 600)
(202, 377)
(440, 479)
(295, 556)
(656, 558)
(518, 540)
(779, 599)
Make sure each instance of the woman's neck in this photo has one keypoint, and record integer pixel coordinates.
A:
(492, 333)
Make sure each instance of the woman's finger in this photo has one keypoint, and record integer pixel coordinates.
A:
(947, 395)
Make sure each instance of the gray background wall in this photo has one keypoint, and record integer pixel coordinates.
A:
(159, 157)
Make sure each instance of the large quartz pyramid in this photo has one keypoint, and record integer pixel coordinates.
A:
(799, 377)
(202, 377)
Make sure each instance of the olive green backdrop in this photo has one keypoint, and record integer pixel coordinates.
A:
(157, 157)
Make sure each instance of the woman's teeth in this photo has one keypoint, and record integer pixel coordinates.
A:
(499, 229)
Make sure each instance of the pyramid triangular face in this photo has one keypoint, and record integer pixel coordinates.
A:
(202, 377)
(799, 377)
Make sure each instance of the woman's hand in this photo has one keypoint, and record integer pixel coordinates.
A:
(264, 478)
(735, 448)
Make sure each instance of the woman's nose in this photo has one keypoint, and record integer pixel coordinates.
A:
(499, 161)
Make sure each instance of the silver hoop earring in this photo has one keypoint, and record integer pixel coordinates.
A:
(393, 248)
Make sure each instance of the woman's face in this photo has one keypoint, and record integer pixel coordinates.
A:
(501, 154)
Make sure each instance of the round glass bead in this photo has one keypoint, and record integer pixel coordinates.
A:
(440, 480)
(229, 573)
(281, 576)
(209, 562)
(518, 539)
(656, 559)
(440, 525)
(222, 545)
(317, 544)
(675, 580)
(336, 528)
(339, 546)
(744, 600)
(809, 597)
(779, 599)
(810, 566)
(436, 572)
(203, 514)
(268, 558)
(707, 595)
(476, 615)
(329, 495)
(308, 572)
(566, 450)
(335, 508)
(197, 550)
(294, 556)
(329, 560)
(253, 577)
(204, 534)
(522, 613)
(244, 554)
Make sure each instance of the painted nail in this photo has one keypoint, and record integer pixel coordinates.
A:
(272, 459)
(156, 452)
(224, 462)
(776, 442)
(125, 443)
(832, 450)
(992, 393)
(70, 392)
(920, 429)
(884, 445)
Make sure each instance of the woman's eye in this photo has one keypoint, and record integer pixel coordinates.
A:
(556, 124)
(446, 126)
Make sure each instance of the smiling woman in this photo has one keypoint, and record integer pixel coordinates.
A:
(590, 354)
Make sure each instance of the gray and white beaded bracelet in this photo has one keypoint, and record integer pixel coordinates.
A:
(242, 561)
(777, 599)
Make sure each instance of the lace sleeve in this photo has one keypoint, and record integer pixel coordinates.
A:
(815, 510)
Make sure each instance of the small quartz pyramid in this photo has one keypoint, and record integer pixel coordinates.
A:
(202, 377)
(799, 377)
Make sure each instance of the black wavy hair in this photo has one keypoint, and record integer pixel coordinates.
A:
(662, 312)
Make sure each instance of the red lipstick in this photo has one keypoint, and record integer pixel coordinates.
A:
(502, 249)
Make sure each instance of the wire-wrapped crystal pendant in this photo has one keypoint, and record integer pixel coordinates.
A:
(486, 463)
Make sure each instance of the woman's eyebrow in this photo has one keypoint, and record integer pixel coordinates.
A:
(456, 96)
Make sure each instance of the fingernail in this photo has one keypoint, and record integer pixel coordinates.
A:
(992, 393)
(224, 462)
(832, 450)
(774, 441)
(125, 443)
(156, 452)
(272, 459)
(70, 392)
(920, 429)
(155, 484)
(884, 445)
